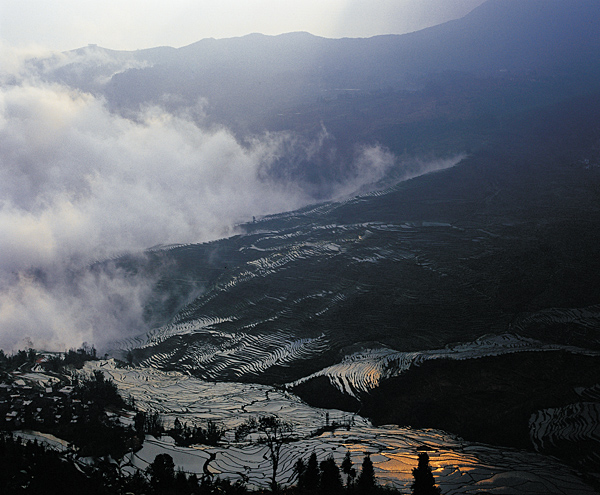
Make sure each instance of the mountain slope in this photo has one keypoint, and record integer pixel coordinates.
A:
(442, 258)
(512, 35)
(455, 300)
(493, 257)
(248, 79)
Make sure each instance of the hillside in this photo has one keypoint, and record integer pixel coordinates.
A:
(341, 297)
(469, 247)
(248, 81)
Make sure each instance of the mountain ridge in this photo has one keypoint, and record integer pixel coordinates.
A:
(493, 17)
(249, 80)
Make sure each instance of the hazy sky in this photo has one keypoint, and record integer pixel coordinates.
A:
(133, 24)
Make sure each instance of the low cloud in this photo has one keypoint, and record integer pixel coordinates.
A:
(80, 183)
(56, 312)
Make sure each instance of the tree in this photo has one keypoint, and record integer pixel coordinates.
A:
(331, 480)
(139, 424)
(424, 483)
(162, 473)
(311, 474)
(136, 483)
(177, 427)
(366, 479)
(31, 355)
(185, 435)
(98, 389)
(273, 433)
(348, 469)
(154, 424)
(211, 435)
(150, 423)
(299, 470)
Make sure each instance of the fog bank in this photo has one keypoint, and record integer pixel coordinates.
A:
(80, 183)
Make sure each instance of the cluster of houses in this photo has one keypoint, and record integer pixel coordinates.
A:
(30, 400)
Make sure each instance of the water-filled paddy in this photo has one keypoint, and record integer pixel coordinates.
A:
(459, 466)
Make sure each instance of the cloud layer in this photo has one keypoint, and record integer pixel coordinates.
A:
(79, 183)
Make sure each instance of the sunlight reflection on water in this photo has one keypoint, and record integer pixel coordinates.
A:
(459, 466)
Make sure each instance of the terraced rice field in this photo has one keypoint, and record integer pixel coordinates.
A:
(274, 301)
(357, 292)
(459, 466)
(363, 371)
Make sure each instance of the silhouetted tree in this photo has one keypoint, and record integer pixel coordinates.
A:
(424, 483)
(30, 467)
(274, 433)
(331, 480)
(299, 470)
(100, 390)
(162, 473)
(348, 470)
(136, 483)
(139, 424)
(185, 435)
(217, 486)
(309, 478)
(181, 483)
(366, 479)
(154, 424)
(31, 356)
(211, 435)
(150, 423)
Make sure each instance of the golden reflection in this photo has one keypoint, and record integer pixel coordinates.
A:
(397, 465)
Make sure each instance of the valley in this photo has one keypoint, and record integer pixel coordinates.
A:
(389, 244)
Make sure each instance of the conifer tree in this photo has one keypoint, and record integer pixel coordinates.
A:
(424, 483)
(348, 469)
(162, 472)
(366, 479)
(299, 470)
(331, 480)
(312, 473)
